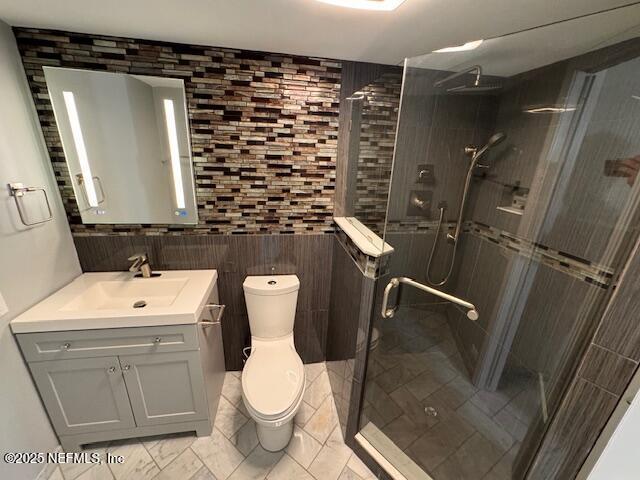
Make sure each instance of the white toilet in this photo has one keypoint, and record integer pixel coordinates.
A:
(273, 377)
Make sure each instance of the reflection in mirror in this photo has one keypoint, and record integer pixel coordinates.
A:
(126, 141)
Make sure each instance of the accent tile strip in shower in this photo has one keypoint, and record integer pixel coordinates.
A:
(599, 275)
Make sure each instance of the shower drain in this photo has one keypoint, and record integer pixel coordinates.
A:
(432, 412)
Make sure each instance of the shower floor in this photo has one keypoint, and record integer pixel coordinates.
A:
(419, 394)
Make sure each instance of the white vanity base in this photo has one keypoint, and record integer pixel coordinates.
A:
(74, 443)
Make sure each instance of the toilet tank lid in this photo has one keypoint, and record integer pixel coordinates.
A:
(271, 284)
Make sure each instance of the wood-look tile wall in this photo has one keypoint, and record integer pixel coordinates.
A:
(235, 257)
(264, 128)
(350, 316)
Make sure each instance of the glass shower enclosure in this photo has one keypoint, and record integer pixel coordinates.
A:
(512, 187)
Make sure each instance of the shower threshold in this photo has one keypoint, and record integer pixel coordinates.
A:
(394, 461)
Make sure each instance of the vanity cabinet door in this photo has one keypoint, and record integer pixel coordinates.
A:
(84, 395)
(165, 387)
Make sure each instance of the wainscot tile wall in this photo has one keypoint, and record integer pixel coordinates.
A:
(235, 257)
(264, 128)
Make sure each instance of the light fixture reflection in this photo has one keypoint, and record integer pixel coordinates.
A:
(549, 110)
(461, 48)
(385, 5)
(176, 170)
(81, 150)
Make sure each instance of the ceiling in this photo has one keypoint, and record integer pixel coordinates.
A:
(304, 27)
(512, 54)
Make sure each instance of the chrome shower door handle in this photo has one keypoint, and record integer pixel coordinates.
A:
(386, 311)
(472, 311)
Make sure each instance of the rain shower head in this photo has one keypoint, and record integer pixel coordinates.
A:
(475, 87)
(479, 89)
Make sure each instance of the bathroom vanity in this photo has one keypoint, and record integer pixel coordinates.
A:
(106, 369)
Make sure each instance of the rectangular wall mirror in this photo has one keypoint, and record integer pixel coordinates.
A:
(126, 141)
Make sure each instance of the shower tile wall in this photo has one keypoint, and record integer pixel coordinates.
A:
(377, 124)
(564, 254)
(585, 213)
(583, 220)
(433, 131)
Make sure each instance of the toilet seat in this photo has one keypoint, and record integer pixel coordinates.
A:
(273, 380)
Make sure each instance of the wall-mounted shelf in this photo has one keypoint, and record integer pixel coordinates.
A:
(514, 199)
(513, 210)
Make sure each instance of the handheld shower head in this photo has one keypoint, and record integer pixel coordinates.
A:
(495, 139)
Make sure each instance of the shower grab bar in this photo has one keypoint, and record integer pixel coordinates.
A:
(472, 311)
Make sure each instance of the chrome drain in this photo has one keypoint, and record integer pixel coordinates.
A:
(432, 412)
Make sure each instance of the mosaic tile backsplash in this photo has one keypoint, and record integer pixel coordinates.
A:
(263, 128)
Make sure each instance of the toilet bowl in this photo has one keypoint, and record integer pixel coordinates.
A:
(273, 378)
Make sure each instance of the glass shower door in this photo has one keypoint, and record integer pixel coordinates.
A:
(538, 153)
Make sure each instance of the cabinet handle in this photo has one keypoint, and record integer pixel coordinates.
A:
(157, 340)
(66, 346)
(112, 369)
(126, 367)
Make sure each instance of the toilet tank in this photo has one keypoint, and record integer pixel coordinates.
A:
(271, 304)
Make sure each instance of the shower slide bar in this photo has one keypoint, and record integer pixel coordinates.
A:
(472, 311)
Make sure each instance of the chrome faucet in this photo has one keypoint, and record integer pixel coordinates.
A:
(140, 264)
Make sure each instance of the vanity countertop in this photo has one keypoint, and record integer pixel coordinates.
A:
(106, 300)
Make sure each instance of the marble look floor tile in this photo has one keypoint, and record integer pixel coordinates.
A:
(137, 464)
(323, 421)
(246, 438)
(358, 467)
(71, 471)
(232, 389)
(229, 419)
(338, 367)
(165, 450)
(185, 466)
(305, 412)
(331, 460)
(348, 474)
(97, 472)
(312, 370)
(257, 465)
(288, 469)
(218, 454)
(56, 474)
(303, 448)
(203, 474)
(318, 390)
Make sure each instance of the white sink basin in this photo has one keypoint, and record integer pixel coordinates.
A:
(118, 299)
(124, 294)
